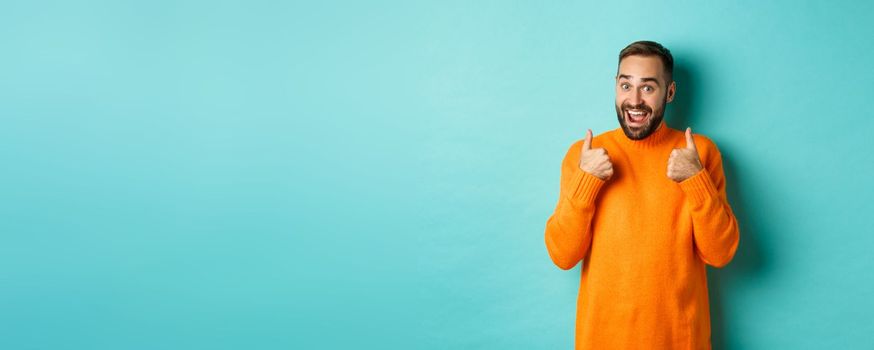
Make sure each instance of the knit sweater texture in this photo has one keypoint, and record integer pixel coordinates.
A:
(644, 242)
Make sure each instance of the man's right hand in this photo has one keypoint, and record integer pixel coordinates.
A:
(595, 161)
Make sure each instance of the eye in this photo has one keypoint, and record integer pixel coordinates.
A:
(624, 86)
(648, 88)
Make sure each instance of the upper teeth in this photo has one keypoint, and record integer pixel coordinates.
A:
(637, 113)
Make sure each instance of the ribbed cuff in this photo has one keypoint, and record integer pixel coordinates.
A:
(699, 187)
(583, 187)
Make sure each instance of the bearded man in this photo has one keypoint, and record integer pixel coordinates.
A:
(644, 207)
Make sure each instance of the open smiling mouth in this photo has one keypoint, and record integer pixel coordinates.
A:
(636, 117)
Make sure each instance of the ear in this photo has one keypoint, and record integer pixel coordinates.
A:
(672, 89)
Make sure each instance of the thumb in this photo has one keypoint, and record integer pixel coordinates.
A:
(587, 142)
(690, 143)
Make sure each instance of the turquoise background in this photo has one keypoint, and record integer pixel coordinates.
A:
(272, 175)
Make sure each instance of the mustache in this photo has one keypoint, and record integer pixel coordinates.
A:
(642, 106)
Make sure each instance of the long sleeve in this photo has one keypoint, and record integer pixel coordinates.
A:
(715, 228)
(568, 230)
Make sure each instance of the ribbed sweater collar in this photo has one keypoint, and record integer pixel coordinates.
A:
(657, 138)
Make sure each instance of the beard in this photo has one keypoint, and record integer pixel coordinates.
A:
(652, 123)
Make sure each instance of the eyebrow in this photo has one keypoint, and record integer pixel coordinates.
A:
(621, 76)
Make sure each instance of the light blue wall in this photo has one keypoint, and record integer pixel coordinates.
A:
(264, 175)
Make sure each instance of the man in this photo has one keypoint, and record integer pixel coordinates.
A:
(644, 207)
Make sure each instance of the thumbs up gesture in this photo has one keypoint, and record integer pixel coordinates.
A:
(684, 162)
(595, 161)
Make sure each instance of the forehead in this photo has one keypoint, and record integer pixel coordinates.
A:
(642, 66)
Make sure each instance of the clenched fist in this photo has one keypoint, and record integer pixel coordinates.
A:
(684, 162)
(595, 161)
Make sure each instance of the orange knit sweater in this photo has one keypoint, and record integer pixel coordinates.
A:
(644, 241)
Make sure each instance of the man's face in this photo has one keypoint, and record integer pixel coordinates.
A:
(642, 92)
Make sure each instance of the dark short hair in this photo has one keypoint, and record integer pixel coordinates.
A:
(651, 48)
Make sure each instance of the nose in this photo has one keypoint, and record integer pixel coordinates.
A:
(635, 98)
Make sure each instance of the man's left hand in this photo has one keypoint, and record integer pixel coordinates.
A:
(684, 162)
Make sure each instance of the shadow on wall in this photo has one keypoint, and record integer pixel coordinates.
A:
(749, 261)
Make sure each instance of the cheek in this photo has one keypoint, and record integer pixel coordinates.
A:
(654, 101)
